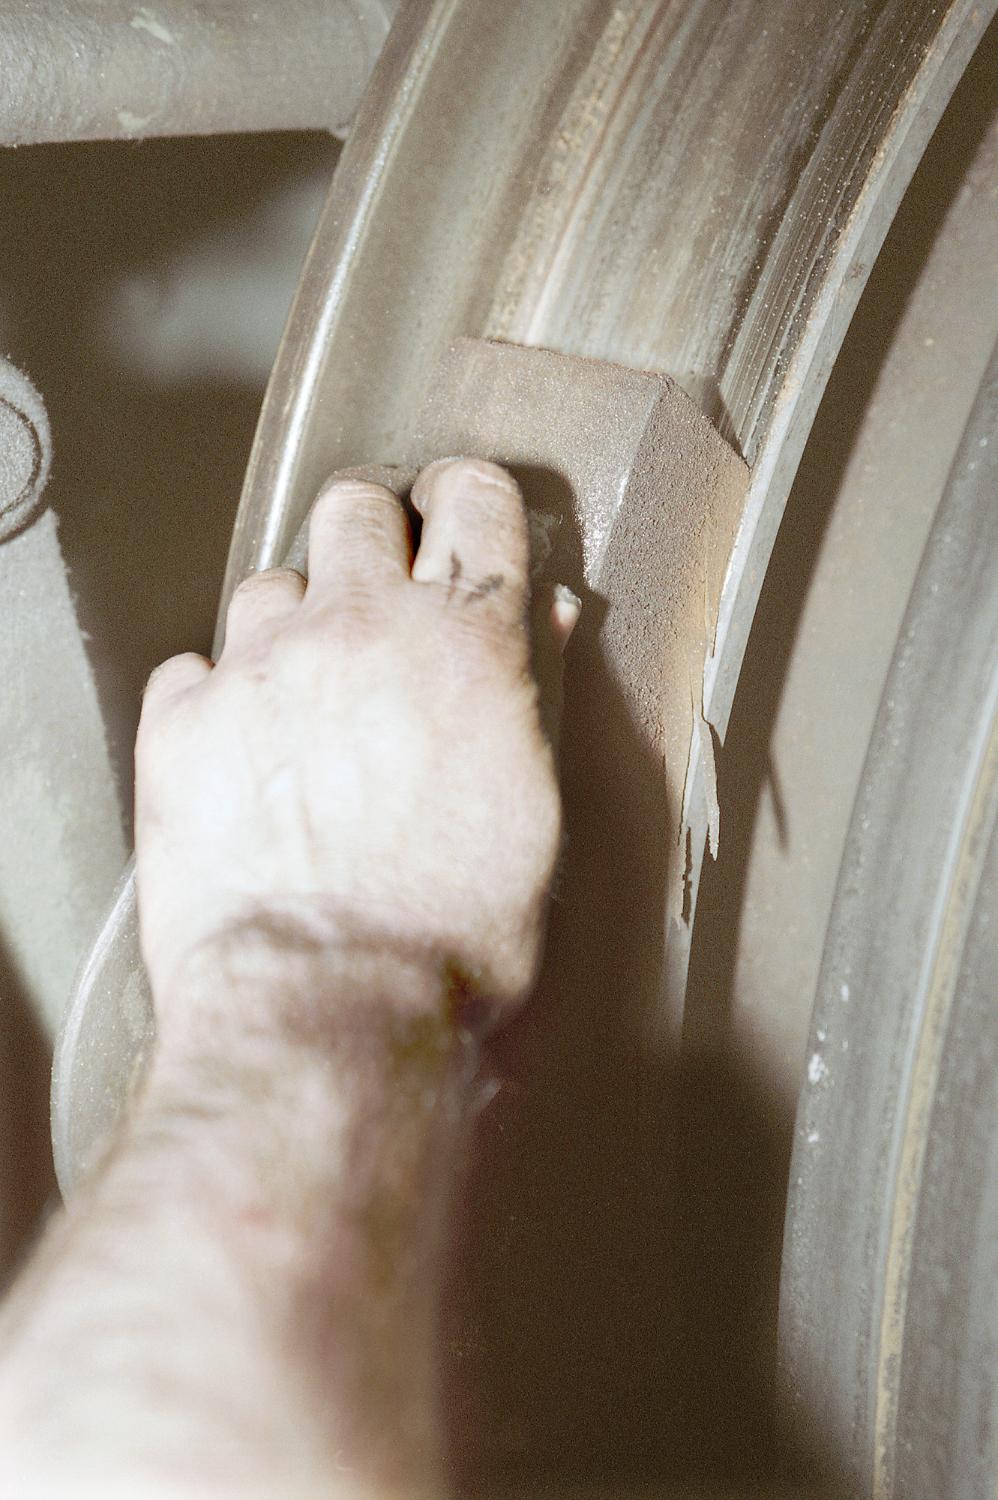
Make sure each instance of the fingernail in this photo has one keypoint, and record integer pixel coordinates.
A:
(566, 608)
(386, 476)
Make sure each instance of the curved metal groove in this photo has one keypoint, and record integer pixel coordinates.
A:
(914, 853)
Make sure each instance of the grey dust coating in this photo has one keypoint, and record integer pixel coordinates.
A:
(76, 71)
(664, 189)
(889, 1317)
(25, 449)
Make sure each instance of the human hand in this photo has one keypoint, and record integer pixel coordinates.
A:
(364, 771)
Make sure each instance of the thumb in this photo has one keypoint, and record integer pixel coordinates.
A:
(554, 615)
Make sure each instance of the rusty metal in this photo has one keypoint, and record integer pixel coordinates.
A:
(76, 70)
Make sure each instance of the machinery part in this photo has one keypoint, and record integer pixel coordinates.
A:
(76, 70)
(635, 196)
(591, 231)
(835, 595)
(890, 1289)
(25, 449)
(63, 841)
(830, 616)
(62, 835)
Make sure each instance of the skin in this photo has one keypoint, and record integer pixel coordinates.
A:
(345, 834)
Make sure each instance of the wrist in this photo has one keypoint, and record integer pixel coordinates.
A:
(276, 981)
(283, 1052)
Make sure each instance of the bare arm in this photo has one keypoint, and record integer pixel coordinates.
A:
(345, 833)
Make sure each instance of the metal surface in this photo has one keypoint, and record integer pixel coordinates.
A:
(76, 70)
(578, 210)
(63, 841)
(823, 638)
(822, 641)
(683, 187)
(25, 449)
(891, 1188)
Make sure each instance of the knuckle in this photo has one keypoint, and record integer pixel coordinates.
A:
(258, 597)
(165, 673)
(246, 591)
(457, 481)
(152, 693)
(356, 614)
(171, 678)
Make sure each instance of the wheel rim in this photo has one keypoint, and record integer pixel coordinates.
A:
(892, 1017)
(369, 324)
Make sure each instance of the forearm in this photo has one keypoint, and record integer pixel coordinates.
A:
(243, 1300)
(245, 1297)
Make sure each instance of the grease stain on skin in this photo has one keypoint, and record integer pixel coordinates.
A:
(489, 585)
(455, 575)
